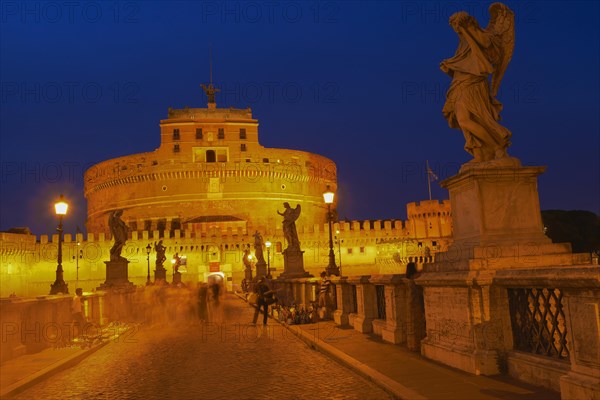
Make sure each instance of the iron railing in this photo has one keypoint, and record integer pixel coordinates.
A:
(538, 321)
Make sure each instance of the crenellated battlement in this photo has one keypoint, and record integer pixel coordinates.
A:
(375, 231)
(428, 209)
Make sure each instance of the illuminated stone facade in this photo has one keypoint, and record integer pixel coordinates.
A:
(210, 169)
(363, 247)
(205, 192)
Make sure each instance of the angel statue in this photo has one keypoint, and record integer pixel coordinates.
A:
(471, 105)
(118, 230)
(290, 215)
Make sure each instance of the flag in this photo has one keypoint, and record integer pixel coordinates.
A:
(432, 176)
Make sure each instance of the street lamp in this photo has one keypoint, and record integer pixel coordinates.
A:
(148, 250)
(59, 285)
(339, 241)
(77, 256)
(332, 269)
(268, 246)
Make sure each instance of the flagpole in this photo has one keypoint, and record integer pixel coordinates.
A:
(428, 179)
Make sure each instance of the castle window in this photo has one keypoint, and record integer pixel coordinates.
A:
(243, 147)
(434, 243)
(211, 156)
(176, 148)
(242, 133)
(176, 134)
(362, 249)
(221, 134)
(199, 133)
(350, 250)
(266, 160)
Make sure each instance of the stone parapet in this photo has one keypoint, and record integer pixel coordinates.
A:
(30, 325)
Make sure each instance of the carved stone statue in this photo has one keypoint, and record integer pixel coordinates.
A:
(177, 263)
(160, 253)
(118, 230)
(210, 91)
(258, 248)
(246, 259)
(471, 105)
(290, 215)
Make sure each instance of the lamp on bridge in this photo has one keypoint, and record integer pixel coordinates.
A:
(148, 250)
(268, 246)
(332, 269)
(338, 237)
(59, 285)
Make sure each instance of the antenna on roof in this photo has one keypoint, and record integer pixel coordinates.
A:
(210, 90)
(210, 60)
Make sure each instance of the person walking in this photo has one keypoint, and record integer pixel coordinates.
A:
(265, 297)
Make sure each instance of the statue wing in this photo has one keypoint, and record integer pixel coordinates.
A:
(296, 212)
(502, 28)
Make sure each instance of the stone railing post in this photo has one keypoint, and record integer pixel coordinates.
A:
(414, 317)
(95, 308)
(396, 305)
(365, 302)
(12, 315)
(344, 301)
(583, 339)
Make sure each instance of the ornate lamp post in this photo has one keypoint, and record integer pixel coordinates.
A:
(77, 256)
(332, 269)
(59, 285)
(148, 250)
(339, 243)
(268, 246)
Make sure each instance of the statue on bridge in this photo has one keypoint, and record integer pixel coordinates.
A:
(160, 253)
(471, 105)
(118, 230)
(258, 248)
(290, 215)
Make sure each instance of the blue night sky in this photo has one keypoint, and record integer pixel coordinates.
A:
(358, 82)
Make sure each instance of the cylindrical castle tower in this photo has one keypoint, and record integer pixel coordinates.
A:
(211, 170)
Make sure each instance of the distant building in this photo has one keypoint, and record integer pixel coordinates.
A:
(204, 192)
(210, 170)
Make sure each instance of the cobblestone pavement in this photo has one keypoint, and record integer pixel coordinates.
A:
(224, 359)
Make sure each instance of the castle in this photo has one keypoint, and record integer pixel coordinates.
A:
(210, 170)
(205, 192)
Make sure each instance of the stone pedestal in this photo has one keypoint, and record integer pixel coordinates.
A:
(261, 269)
(160, 274)
(495, 206)
(116, 275)
(248, 274)
(176, 278)
(497, 225)
(293, 265)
